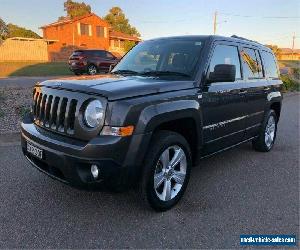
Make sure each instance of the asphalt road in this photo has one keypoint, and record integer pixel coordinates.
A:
(237, 192)
(23, 81)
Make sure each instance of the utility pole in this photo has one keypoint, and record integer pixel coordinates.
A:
(215, 22)
(293, 46)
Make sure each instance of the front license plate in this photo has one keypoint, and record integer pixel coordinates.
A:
(34, 150)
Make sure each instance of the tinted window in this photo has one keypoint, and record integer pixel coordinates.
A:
(226, 54)
(109, 55)
(100, 53)
(251, 63)
(270, 66)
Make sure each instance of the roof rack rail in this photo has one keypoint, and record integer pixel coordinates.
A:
(243, 38)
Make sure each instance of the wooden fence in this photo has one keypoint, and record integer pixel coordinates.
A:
(23, 49)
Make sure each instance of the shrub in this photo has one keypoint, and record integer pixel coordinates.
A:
(290, 84)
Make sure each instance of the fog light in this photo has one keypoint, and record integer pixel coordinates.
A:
(95, 171)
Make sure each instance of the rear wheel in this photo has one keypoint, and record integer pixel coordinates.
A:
(267, 134)
(92, 69)
(167, 170)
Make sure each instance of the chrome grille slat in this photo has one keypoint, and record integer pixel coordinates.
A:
(53, 113)
(42, 109)
(47, 110)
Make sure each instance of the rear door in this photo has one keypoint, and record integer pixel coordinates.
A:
(256, 88)
(109, 60)
(224, 106)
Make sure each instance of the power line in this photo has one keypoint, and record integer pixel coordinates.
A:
(267, 17)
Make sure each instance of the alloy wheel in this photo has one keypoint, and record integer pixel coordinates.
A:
(92, 70)
(170, 173)
(270, 131)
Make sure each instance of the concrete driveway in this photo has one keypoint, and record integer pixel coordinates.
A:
(237, 192)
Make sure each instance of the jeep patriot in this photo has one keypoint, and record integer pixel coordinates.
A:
(168, 103)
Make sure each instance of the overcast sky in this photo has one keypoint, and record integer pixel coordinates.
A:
(267, 21)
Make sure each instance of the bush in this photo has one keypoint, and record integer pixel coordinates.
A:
(290, 84)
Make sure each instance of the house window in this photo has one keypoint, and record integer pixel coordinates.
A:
(100, 31)
(84, 29)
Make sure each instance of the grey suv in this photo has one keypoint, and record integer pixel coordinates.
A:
(167, 104)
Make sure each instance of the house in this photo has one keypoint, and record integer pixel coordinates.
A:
(288, 54)
(85, 32)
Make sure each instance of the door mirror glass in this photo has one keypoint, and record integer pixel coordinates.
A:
(222, 73)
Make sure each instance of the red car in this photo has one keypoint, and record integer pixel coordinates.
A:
(91, 61)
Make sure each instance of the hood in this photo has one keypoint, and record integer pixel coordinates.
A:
(115, 87)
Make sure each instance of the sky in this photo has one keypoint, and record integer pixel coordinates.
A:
(266, 21)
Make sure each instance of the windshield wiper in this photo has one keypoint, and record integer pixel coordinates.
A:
(125, 72)
(163, 73)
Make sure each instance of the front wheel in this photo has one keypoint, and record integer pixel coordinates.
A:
(92, 69)
(167, 170)
(267, 134)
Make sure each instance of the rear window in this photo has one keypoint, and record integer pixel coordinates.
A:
(270, 65)
(77, 53)
(251, 63)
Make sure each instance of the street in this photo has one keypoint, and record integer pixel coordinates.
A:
(236, 192)
(23, 81)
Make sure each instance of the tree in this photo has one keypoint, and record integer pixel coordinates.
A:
(75, 9)
(275, 49)
(128, 45)
(118, 21)
(17, 31)
(3, 29)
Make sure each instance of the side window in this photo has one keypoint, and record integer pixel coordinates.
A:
(100, 53)
(226, 54)
(270, 65)
(251, 63)
(109, 55)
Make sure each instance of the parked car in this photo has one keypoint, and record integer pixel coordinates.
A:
(166, 105)
(91, 61)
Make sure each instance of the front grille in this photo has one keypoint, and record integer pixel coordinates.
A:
(54, 112)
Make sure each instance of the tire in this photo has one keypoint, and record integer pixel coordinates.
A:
(77, 73)
(267, 133)
(171, 181)
(92, 69)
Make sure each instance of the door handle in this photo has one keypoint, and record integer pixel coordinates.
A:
(243, 91)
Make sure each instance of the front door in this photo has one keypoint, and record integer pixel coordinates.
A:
(224, 105)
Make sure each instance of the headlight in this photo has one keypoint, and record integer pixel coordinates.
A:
(93, 114)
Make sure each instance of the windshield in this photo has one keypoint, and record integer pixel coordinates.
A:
(161, 58)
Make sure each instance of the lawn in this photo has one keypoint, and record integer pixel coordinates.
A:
(34, 69)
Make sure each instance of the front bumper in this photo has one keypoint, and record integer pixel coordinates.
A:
(69, 160)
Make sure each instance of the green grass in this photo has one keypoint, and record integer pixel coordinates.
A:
(34, 69)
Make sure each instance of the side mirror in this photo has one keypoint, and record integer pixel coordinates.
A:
(222, 73)
(111, 67)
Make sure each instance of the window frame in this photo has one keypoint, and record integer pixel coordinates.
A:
(225, 43)
(97, 33)
(255, 49)
(264, 65)
(88, 29)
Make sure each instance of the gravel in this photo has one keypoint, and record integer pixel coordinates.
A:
(14, 103)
